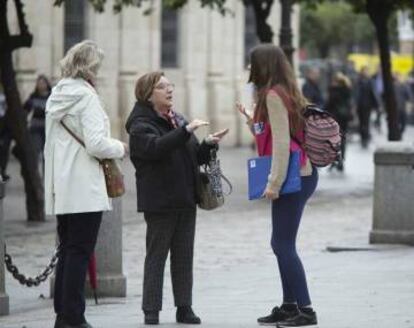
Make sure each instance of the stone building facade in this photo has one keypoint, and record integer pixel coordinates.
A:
(406, 33)
(201, 52)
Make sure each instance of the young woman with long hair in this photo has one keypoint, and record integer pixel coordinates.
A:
(277, 124)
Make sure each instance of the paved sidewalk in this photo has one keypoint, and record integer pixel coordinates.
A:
(236, 278)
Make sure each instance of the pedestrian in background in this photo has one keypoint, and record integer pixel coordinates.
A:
(402, 96)
(365, 102)
(410, 82)
(278, 115)
(5, 137)
(378, 87)
(311, 89)
(75, 189)
(339, 104)
(35, 106)
(166, 156)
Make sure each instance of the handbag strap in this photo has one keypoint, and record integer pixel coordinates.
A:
(228, 183)
(72, 134)
(77, 138)
(213, 156)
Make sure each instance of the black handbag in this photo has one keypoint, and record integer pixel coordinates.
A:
(211, 190)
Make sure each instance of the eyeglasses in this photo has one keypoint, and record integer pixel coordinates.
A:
(165, 86)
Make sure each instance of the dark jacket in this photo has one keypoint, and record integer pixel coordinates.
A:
(166, 161)
(312, 93)
(339, 103)
(402, 95)
(37, 104)
(365, 95)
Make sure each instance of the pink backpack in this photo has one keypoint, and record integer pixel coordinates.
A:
(322, 137)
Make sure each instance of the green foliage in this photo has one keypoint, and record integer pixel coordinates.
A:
(119, 5)
(392, 5)
(331, 24)
(309, 4)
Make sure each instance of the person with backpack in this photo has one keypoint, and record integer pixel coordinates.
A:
(278, 123)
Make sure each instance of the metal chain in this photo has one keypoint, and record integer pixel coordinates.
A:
(30, 282)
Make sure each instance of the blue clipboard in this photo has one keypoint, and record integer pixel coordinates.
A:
(259, 170)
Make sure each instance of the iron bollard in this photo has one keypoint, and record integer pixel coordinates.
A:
(4, 298)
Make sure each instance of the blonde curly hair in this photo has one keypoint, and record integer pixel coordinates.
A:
(82, 61)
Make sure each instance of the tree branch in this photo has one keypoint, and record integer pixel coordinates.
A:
(19, 41)
(20, 17)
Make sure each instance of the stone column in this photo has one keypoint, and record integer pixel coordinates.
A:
(393, 215)
(108, 251)
(4, 298)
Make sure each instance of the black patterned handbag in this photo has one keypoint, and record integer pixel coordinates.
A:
(211, 191)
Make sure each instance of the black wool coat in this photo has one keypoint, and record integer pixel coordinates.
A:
(166, 160)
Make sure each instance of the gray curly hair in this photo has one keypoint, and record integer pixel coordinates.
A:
(82, 61)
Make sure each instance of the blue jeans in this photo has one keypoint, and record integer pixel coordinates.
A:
(286, 215)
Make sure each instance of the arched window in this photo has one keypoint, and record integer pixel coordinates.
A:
(169, 38)
(250, 36)
(74, 22)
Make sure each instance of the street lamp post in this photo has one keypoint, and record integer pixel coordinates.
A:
(286, 35)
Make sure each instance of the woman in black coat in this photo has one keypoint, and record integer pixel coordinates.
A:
(166, 155)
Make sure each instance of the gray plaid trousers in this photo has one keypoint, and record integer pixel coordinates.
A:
(169, 232)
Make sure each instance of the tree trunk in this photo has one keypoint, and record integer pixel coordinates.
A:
(379, 15)
(16, 122)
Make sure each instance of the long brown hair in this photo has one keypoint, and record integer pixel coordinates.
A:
(270, 69)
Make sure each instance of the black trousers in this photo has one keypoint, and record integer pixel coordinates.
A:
(169, 232)
(402, 120)
(343, 124)
(5, 141)
(77, 234)
(364, 115)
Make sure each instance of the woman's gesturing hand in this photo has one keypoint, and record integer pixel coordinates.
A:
(195, 124)
(216, 137)
(242, 110)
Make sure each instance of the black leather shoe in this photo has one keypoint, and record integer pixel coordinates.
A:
(299, 320)
(277, 314)
(82, 325)
(59, 322)
(151, 317)
(185, 314)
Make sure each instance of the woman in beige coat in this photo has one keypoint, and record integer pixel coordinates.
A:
(75, 188)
